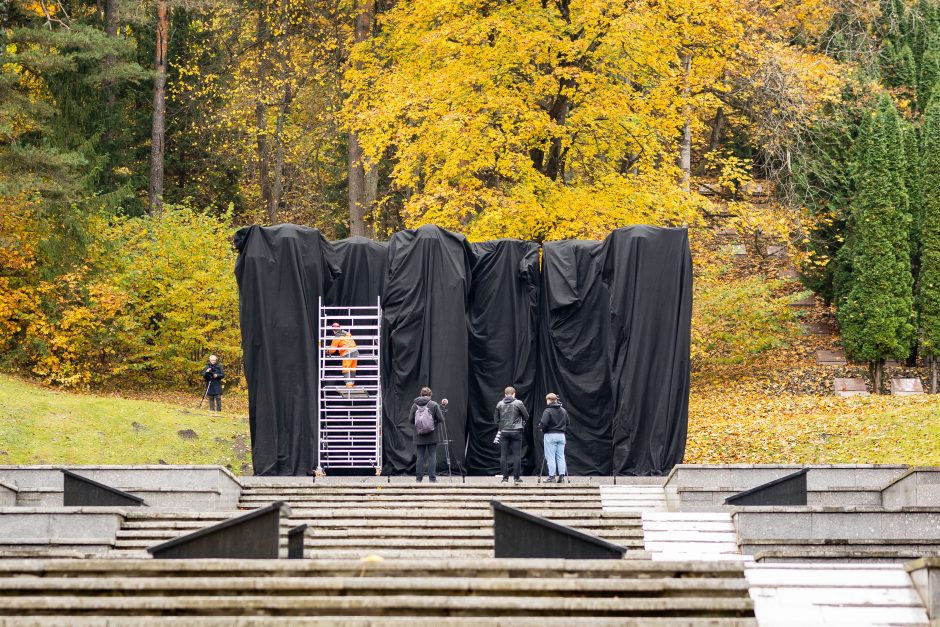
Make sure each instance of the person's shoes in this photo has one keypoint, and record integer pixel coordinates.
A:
(433, 480)
(561, 478)
(517, 480)
(418, 479)
(505, 480)
(550, 479)
(350, 385)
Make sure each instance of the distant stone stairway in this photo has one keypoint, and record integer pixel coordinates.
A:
(401, 520)
(354, 592)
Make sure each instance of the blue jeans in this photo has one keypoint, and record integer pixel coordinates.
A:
(554, 444)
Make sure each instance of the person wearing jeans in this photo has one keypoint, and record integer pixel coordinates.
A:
(511, 417)
(554, 424)
(426, 443)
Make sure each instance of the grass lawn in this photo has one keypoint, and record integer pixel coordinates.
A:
(42, 426)
(728, 423)
(732, 424)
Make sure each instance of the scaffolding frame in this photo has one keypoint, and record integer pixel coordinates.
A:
(349, 425)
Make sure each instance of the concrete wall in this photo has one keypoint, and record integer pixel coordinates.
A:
(863, 528)
(847, 484)
(7, 495)
(918, 487)
(200, 488)
(925, 573)
(91, 529)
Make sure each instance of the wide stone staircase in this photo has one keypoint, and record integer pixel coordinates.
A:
(356, 592)
(399, 520)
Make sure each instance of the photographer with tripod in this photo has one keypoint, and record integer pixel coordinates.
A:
(425, 416)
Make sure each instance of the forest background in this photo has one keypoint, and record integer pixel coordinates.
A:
(135, 136)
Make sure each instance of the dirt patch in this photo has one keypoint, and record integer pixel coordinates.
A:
(187, 434)
(240, 446)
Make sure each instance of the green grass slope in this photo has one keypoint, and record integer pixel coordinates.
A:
(42, 426)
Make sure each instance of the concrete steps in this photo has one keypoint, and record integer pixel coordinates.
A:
(430, 520)
(393, 533)
(351, 591)
(834, 594)
(633, 498)
(691, 536)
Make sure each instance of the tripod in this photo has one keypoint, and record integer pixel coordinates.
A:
(204, 394)
(446, 442)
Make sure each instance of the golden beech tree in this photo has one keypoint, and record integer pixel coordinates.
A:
(543, 120)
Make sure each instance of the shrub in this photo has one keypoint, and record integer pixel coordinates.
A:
(736, 319)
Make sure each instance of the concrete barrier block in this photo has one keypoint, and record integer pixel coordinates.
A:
(920, 487)
(925, 573)
(211, 488)
(8, 495)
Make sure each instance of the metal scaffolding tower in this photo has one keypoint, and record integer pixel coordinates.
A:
(349, 431)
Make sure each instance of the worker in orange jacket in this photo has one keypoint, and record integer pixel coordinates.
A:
(345, 345)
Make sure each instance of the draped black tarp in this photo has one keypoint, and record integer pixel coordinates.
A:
(615, 339)
(425, 337)
(573, 351)
(648, 276)
(606, 325)
(363, 264)
(503, 330)
(281, 273)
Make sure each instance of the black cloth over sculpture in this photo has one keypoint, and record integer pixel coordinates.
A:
(605, 325)
(502, 324)
(362, 263)
(281, 273)
(615, 340)
(424, 337)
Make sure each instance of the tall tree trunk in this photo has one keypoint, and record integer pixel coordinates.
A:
(877, 371)
(363, 176)
(933, 375)
(277, 186)
(261, 118)
(685, 145)
(111, 23)
(718, 125)
(158, 134)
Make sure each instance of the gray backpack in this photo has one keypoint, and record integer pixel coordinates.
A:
(424, 421)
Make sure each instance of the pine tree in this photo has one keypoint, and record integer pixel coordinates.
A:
(929, 75)
(929, 292)
(876, 313)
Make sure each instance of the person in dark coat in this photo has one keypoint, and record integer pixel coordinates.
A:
(426, 443)
(213, 374)
(553, 425)
(511, 417)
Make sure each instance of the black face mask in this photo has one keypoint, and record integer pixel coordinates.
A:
(337, 331)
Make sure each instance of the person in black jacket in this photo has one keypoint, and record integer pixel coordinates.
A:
(511, 417)
(426, 443)
(213, 374)
(554, 424)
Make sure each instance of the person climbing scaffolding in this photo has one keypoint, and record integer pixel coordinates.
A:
(344, 344)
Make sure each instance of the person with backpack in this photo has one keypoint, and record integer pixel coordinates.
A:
(511, 417)
(425, 416)
(553, 425)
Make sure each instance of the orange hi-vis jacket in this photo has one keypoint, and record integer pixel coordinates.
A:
(344, 344)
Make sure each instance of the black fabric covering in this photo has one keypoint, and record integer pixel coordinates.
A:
(605, 325)
(502, 322)
(281, 273)
(362, 263)
(425, 338)
(615, 340)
